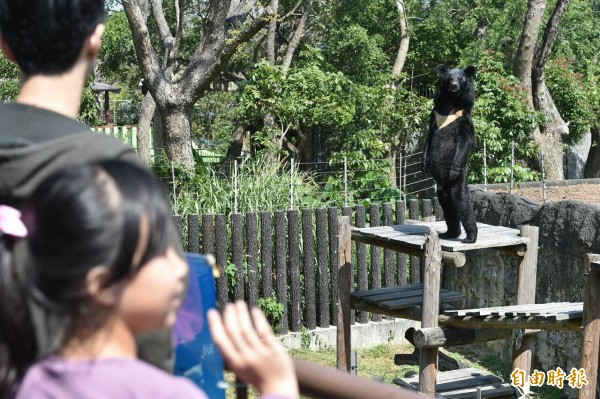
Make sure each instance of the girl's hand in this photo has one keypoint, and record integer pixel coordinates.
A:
(253, 352)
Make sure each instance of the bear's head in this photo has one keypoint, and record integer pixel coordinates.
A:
(455, 81)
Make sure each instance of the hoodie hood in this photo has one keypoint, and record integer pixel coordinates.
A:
(35, 142)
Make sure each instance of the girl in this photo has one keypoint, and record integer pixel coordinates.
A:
(102, 268)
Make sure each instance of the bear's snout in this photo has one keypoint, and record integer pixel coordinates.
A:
(454, 86)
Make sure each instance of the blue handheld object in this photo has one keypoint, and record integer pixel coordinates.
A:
(196, 356)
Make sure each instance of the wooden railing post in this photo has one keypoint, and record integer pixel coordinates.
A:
(344, 289)
(431, 307)
(526, 284)
(591, 327)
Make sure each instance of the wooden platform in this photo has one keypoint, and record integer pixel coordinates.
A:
(400, 297)
(410, 238)
(463, 384)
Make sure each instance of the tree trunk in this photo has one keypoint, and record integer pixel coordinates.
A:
(550, 133)
(178, 136)
(404, 39)
(527, 42)
(234, 151)
(592, 165)
(554, 127)
(144, 131)
(157, 133)
(272, 32)
(528, 66)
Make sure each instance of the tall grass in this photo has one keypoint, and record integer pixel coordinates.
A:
(262, 185)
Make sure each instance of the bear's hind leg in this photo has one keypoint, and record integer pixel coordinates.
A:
(462, 198)
(450, 213)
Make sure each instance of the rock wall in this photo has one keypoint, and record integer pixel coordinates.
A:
(569, 230)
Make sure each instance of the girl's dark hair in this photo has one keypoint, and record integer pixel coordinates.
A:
(82, 216)
(47, 36)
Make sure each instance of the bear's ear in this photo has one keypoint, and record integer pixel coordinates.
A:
(441, 69)
(470, 71)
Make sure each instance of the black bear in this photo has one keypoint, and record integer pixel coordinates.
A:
(449, 142)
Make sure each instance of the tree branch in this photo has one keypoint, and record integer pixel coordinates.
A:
(550, 34)
(404, 39)
(527, 41)
(298, 35)
(206, 65)
(146, 55)
(163, 27)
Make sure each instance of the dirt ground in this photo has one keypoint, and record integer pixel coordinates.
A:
(588, 193)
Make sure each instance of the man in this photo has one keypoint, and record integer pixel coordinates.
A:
(55, 44)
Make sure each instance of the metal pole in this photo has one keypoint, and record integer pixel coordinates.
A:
(345, 181)
(512, 166)
(235, 186)
(404, 179)
(174, 192)
(292, 184)
(484, 166)
(399, 174)
(543, 178)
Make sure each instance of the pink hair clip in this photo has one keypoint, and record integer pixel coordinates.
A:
(11, 223)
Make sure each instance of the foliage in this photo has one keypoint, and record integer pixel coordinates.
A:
(118, 62)
(303, 96)
(9, 80)
(89, 108)
(570, 96)
(272, 309)
(501, 114)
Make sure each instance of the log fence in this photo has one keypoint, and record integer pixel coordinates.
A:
(291, 257)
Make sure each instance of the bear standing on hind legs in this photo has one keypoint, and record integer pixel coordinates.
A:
(449, 142)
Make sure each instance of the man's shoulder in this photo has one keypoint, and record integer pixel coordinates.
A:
(24, 125)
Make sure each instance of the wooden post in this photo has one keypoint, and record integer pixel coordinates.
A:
(591, 327)
(526, 284)
(431, 306)
(344, 289)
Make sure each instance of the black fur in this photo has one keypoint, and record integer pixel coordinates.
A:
(447, 150)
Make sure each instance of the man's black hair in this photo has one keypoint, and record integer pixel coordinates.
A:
(47, 36)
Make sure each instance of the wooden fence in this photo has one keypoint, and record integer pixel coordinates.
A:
(292, 255)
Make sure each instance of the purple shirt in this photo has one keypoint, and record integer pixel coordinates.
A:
(56, 378)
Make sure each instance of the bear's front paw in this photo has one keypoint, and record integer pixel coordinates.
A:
(454, 174)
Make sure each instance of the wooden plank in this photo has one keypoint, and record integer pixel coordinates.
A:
(266, 253)
(387, 290)
(237, 254)
(281, 268)
(402, 298)
(414, 313)
(294, 270)
(308, 262)
(361, 261)
(375, 256)
(401, 258)
(332, 229)
(499, 310)
(416, 301)
(409, 238)
(252, 256)
(221, 258)
(323, 273)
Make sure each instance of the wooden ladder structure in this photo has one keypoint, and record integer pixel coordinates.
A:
(422, 302)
